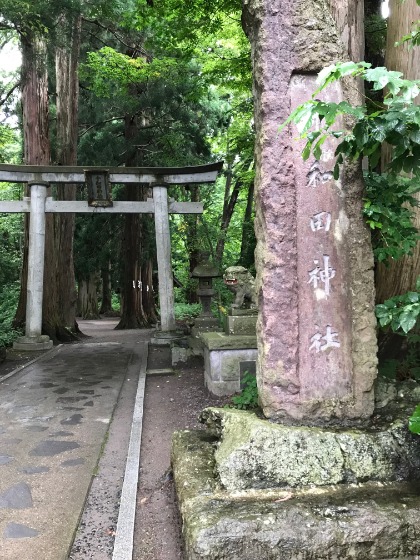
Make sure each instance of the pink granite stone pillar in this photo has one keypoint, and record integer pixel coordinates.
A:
(316, 327)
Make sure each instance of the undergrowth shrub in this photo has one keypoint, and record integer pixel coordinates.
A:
(247, 399)
(9, 296)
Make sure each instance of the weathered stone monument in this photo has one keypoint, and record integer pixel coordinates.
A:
(316, 331)
(322, 478)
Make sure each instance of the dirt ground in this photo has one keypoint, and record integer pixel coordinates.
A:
(172, 403)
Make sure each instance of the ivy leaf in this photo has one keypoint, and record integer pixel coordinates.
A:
(414, 421)
(307, 150)
(408, 319)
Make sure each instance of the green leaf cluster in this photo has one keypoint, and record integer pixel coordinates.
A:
(9, 295)
(396, 121)
(401, 313)
(388, 210)
(414, 421)
(108, 69)
(248, 398)
(389, 201)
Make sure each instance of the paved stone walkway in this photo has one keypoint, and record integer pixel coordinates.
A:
(54, 416)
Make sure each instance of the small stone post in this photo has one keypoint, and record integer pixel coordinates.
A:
(316, 327)
(33, 339)
(163, 250)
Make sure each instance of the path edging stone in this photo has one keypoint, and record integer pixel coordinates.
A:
(123, 546)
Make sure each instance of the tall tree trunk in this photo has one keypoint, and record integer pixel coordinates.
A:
(67, 85)
(148, 296)
(59, 302)
(248, 241)
(87, 301)
(349, 18)
(34, 78)
(400, 276)
(106, 301)
(229, 204)
(138, 309)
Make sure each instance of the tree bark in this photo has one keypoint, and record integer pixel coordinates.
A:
(229, 204)
(36, 142)
(87, 302)
(138, 308)
(349, 18)
(59, 302)
(248, 241)
(400, 276)
(106, 302)
(67, 86)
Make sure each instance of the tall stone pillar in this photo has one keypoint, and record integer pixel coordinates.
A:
(163, 251)
(33, 339)
(316, 327)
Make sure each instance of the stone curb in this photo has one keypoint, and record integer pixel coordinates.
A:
(46, 355)
(123, 545)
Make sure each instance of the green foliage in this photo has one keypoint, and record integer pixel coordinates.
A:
(115, 302)
(108, 68)
(248, 398)
(414, 421)
(187, 311)
(396, 121)
(388, 211)
(400, 312)
(11, 238)
(9, 296)
(389, 200)
(412, 39)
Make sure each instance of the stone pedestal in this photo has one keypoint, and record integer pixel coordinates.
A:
(241, 322)
(205, 324)
(162, 349)
(368, 520)
(226, 360)
(34, 343)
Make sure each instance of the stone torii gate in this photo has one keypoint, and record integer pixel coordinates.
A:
(98, 180)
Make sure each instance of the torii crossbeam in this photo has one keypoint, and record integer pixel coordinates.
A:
(39, 179)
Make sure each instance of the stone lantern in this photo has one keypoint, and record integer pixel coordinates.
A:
(205, 271)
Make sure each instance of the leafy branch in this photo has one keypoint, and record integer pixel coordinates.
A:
(396, 121)
(400, 312)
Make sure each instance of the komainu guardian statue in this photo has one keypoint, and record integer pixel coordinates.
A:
(241, 282)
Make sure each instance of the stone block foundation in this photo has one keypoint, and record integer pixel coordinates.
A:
(373, 520)
(226, 359)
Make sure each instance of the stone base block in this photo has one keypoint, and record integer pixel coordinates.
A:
(195, 344)
(26, 343)
(180, 355)
(255, 453)
(165, 338)
(239, 325)
(226, 360)
(375, 521)
(206, 324)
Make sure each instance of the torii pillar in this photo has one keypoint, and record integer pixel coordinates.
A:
(163, 253)
(33, 339)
